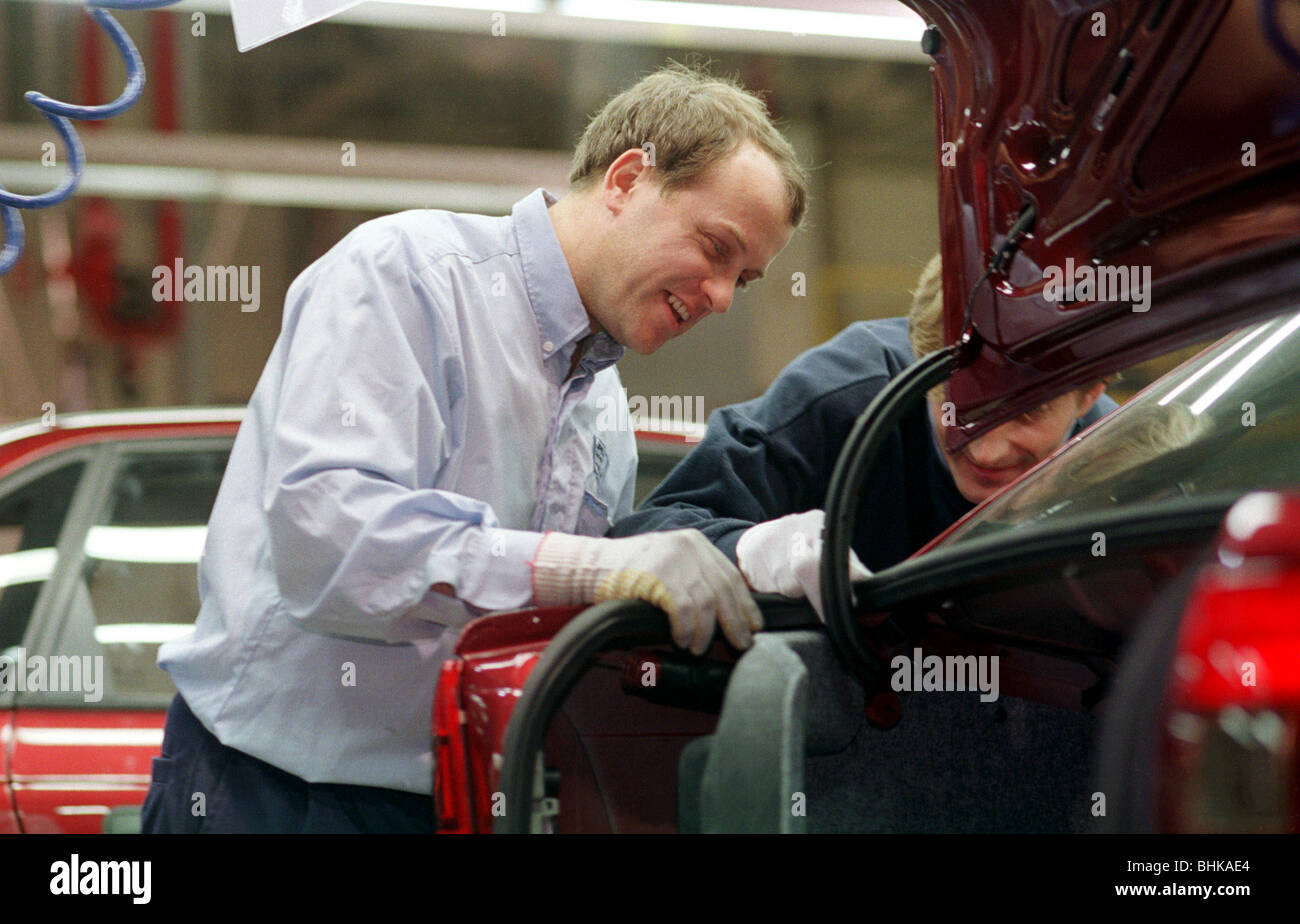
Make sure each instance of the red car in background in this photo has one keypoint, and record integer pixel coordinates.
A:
(1138, 589)
(102, 519)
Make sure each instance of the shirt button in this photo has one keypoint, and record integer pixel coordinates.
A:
(547, 346)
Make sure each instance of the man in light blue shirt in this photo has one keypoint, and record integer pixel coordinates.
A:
(423, 447)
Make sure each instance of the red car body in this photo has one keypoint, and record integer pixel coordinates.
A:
(1239, 622)
(1163, 135)
(76, 770)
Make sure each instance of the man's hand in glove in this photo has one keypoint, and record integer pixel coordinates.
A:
(679, 571)
(784, 556)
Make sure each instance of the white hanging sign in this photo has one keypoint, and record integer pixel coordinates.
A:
(259, 21)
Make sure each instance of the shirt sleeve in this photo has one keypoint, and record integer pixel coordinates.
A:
(366, 417)
(719, 488)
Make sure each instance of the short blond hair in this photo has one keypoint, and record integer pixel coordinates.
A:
(693, 120)
(925, 320)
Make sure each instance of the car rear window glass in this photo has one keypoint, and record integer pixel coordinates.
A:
(141, 575)
(1223, 423)
(31, 518)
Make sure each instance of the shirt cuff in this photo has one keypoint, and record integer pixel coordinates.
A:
(495, 573)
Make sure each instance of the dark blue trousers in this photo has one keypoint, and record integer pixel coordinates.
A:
(200, 786)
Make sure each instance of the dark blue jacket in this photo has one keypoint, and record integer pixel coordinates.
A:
(774, 455)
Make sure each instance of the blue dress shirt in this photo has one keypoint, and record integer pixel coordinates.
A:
(416, 424)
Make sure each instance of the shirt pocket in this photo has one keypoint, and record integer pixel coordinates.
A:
(600, 496)
(593, 516)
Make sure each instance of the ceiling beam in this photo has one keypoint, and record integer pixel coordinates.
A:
(263, 170)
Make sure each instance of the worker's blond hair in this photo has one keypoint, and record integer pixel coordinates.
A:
(693, 119)
(925, 320)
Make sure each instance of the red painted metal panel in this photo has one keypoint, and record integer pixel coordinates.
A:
(70, 767)
(8, 816)
(26, 450)
(1126, 136)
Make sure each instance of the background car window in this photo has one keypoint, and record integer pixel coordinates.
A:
(31, 518)
(1221, 424)
(140, 570)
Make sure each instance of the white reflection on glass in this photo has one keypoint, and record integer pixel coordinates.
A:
(1244, 366)
(140, 633)
(155, 544)
(27, 566)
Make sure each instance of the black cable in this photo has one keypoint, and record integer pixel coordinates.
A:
(873, 427)
(859, 454)
(614, 624)
(1011, 243)
(563, 661)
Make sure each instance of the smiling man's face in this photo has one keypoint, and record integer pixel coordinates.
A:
(989, 463)
(669, 260)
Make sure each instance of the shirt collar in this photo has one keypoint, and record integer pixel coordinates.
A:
(561, 318)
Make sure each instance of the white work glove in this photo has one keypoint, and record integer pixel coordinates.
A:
(679, 571)
(784, 556)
